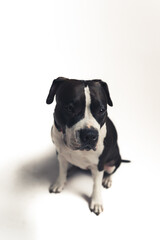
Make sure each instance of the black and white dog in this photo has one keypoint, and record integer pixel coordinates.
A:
(83, 134)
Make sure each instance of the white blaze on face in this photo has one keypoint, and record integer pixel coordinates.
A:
(88, 121)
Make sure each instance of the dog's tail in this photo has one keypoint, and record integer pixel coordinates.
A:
(125, 161)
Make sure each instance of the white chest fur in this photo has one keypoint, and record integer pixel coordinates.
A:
(82, 159)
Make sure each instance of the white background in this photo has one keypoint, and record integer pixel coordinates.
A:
(114, 40)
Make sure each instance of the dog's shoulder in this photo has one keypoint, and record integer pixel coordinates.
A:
(110, 154)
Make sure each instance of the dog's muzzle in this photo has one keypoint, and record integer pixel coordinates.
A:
(88, 138)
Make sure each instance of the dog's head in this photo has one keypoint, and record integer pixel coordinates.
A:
(81, 110)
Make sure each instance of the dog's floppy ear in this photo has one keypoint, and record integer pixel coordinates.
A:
(105, 87)
(55, 84)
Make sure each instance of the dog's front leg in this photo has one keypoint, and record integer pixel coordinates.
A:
(96, 204)
(63, 167)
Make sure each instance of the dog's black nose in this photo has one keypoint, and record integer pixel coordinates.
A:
(89, 138)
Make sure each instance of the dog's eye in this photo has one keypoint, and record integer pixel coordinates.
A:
(70, 108)
(102, 109)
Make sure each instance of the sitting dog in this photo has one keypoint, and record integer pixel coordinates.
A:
(83, 134)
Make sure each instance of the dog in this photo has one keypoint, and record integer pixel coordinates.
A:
(83, 134)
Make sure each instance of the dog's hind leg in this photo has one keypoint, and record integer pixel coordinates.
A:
(107, 180)
(107, 177)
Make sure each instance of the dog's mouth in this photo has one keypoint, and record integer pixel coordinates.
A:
(74, 146)
(81, 148)
(87, 148)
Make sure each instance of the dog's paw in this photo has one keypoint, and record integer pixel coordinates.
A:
(56, 188)
(107, 182)
(97, 208)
